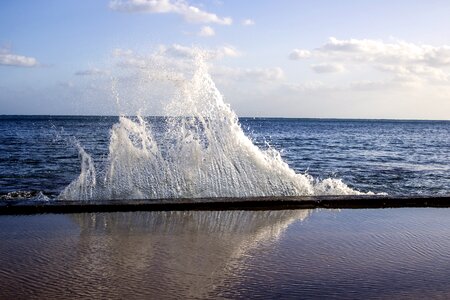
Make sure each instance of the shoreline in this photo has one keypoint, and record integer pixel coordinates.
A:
(27, 207)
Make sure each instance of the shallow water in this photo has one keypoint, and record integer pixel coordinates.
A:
(384, 253)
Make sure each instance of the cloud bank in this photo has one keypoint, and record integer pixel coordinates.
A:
(406, 61)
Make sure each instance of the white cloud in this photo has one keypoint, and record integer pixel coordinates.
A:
(206, 31)
(190, 13)
(177, 56)
(406, 61)
(228, 51)
(89, 72)
(414, 72)
(256, 74)
(248, 22)
(189, 52)
(128, 59)
(10, 59)
(299, 54)
(394, 52)
(178, 51)
(266, 74)
(372, 85)
(327, 68)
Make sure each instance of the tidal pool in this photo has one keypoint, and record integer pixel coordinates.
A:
(354, 253)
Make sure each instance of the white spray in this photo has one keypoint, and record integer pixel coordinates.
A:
(202, 153)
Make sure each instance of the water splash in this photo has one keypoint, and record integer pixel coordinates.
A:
(200, 152)
(84, 186)
(24, 195)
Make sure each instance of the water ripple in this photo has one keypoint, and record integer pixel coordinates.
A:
(341, 254)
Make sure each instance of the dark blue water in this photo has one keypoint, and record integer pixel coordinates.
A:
(38, 153)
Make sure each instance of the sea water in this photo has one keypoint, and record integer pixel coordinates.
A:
(394, 157)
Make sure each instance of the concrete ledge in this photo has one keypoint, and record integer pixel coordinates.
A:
(8, 207)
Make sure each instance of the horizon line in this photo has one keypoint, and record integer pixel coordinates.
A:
(239, 117)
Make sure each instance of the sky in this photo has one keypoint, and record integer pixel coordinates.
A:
(315, 59)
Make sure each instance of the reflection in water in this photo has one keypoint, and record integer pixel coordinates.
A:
(149, 254)
(360, 254)
(183, 254)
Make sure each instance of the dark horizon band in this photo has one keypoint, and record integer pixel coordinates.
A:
(19, 207)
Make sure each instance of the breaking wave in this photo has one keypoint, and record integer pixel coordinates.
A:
(200, 152)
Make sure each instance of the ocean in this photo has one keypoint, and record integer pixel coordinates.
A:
(39, 155)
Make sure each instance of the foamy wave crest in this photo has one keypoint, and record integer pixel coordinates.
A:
(202, 152)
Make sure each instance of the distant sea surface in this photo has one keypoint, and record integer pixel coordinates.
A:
(38, 153)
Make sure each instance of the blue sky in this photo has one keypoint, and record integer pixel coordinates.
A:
(346, 59)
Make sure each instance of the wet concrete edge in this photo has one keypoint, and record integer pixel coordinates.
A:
(21, 207)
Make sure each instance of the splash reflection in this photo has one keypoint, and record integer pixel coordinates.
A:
(179, 254)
